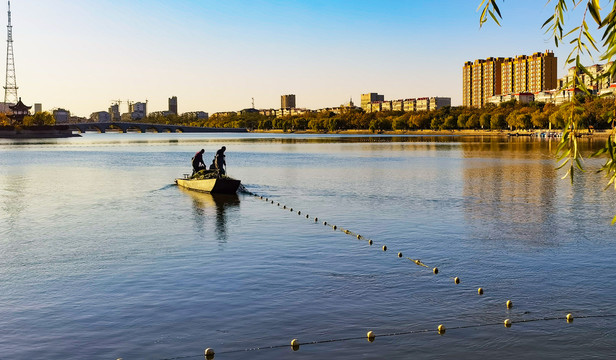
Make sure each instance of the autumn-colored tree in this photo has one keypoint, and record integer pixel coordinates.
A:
(4, 120)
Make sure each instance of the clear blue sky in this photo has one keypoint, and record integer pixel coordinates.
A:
(217, 55)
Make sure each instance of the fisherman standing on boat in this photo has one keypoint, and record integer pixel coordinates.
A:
(197, 162)
(219, 160)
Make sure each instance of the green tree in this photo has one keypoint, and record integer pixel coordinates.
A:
(450, 123)
(462, 120)
(436, 123)
(401, 122)
(497, 122)
(472, 122)
(539, 119)
(39, 119)
(485, 120)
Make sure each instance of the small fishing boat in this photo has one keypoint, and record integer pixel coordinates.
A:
(222, 185)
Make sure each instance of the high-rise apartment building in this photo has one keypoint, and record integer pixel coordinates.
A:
(542, 70)
(483, 79)
(492, 74)
(287, 101)
(477, 83)
(507, 76)
(467, 79)
(173, 105)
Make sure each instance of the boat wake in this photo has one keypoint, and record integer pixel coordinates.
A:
(168, 186)
(242, 189)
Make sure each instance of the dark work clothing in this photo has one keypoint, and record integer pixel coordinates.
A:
(197, 162)
(219, 160)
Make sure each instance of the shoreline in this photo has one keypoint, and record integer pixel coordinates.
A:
(495, 133)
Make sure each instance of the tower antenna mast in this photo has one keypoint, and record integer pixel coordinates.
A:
(10, 87)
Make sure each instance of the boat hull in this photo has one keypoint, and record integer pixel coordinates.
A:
(214, 186)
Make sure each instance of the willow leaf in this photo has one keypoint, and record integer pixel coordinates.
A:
(594, 9)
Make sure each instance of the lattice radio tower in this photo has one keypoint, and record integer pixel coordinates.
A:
(10, 88)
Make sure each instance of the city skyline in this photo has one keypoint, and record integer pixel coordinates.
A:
(217, 56)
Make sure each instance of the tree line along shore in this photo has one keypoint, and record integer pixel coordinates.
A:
(593, 113)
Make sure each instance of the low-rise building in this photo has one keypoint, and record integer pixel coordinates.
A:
(100, 116)
(386, 106)
(163, 113)
(114, 112)
(439, 102)
(611, 90)
(375, 106)
(596, 82)
(423, 104)
(368, 99)
(267, 112)
(61, 116)
(397, 105)
(224, 114)
(524, 98)
(410, 105)
(201, 115)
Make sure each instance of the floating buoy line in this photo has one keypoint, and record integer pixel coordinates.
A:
(370, 336)
(435, 270)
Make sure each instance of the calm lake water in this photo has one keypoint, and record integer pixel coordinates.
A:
(102, 256)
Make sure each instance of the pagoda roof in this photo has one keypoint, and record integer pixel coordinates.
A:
(19, 106)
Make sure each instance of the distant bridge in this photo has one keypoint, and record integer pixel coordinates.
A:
(143, 128)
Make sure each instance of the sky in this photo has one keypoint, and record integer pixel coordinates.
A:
(219, 55)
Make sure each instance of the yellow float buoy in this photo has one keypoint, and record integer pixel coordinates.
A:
(307, 216)
(299, 213)
(325, 223)
(209, 354)
(384, 247)
(441, 329)
(435, 271)
(334, 227)
(480, 291)
(509, 304)
(399, 254)
(370, 335)
(294, 344)
(569, 318)
(507, 323)
(456, 280)
(316, 219)
(291, 209)
(284, 206)
(358, 237)
(370, 242)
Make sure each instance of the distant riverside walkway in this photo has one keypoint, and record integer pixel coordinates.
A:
(142, 127)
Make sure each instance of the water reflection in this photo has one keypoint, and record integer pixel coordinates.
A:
(203, 203)
(13, 194)
(510, 192)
